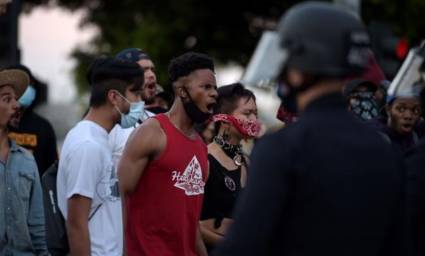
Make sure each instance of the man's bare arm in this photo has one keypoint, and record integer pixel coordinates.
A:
(209, 236)
(200, 246)
(77, 225)
(144, 144)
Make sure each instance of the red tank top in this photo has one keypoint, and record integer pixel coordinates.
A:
(163, 212)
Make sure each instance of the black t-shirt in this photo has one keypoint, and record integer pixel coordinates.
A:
(221, 191)
(37, 135)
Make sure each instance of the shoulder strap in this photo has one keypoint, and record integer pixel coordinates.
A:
(165, 123)
(163, 120)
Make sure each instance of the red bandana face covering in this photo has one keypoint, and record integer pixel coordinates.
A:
(248, 128)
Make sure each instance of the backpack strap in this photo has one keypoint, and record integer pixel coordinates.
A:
(94, 212)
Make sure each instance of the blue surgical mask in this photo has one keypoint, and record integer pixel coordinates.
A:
(28, 97)
(134, 114)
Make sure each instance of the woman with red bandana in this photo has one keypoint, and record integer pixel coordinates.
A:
(235, 120)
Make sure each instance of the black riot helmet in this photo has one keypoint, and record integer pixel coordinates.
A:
(316, 38)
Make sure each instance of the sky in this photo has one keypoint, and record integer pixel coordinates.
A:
(47, 38)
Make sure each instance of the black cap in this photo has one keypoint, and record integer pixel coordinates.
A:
(133, 54)
(105, 67)
(352, 85)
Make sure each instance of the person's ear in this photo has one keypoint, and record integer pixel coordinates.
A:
(112, 97)
(182, 92)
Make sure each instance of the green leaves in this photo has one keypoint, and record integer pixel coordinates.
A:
(228, 31)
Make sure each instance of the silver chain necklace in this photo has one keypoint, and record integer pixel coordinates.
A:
(232, 151)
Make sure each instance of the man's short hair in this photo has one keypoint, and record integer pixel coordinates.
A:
(185, 64)
(107, 73)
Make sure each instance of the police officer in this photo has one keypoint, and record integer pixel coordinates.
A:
(327, 184)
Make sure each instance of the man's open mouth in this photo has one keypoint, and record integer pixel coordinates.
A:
(407, 127)
(210, 107)
(151, 85)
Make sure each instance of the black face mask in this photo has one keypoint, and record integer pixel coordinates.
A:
(192, 110)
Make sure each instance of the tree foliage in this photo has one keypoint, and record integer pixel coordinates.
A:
(226, 30)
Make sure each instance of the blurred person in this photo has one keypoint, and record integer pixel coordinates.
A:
(360, 95)
(412, 88)
(3, 6)
(235, 117)
(327, 184)
(87, 183)
(32, 131)
(366, 92)
(22, 229)
(163, 170)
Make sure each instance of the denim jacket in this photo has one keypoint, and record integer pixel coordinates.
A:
(22, 230)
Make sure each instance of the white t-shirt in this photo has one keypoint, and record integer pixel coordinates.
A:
(118, 137)
(86, 168)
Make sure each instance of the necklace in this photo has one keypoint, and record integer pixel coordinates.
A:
(190, 136)
(232, 151)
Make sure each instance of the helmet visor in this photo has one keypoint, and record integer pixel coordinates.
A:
(410, 75)
(266, 63)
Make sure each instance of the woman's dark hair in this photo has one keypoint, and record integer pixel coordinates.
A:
(228, 98)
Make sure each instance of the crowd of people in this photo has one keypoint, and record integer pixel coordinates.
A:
(149, 173)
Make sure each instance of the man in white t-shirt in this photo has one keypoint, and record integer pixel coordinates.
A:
(87, 184)
(119, 135)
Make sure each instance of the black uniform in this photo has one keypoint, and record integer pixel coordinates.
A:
(416, 198)
(326, 185)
